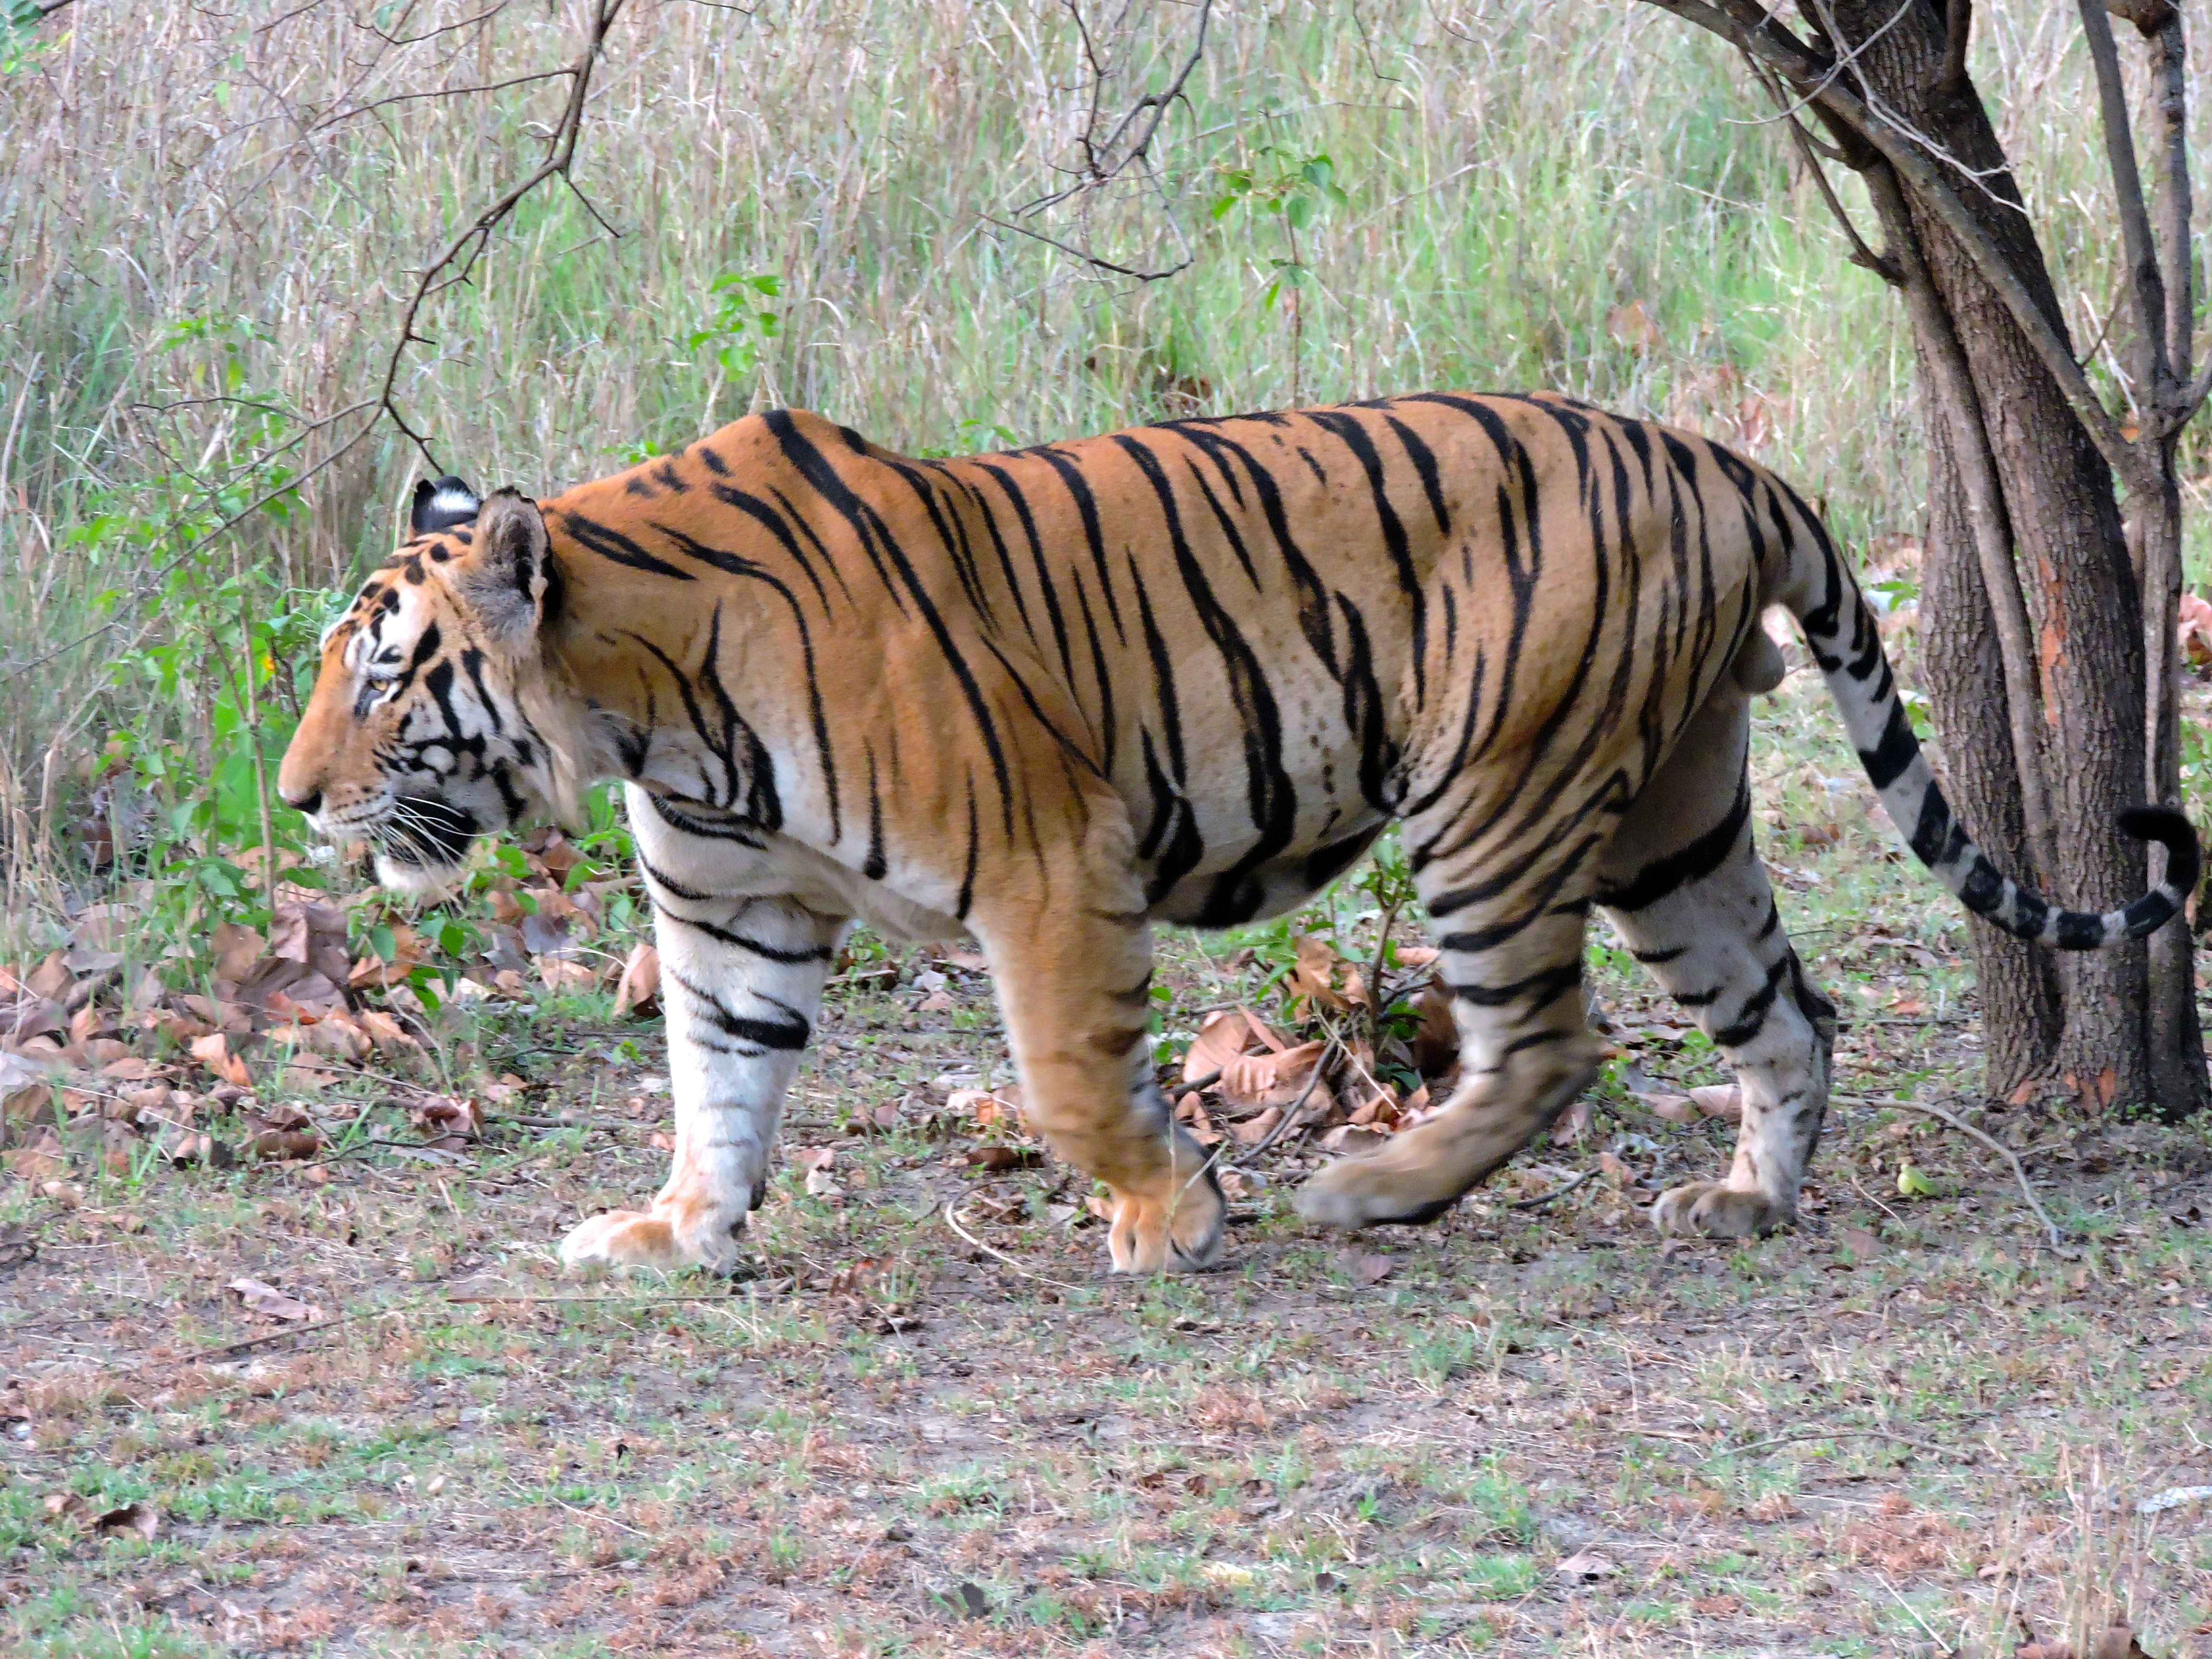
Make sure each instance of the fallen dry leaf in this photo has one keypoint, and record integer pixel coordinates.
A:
(266, 1299)
(142, 1518)
(450, 1123)
(1366, 1266)
(1574, 1123)
(637, 994)
(1720, 1100)
(1323, 978)
(988, 1106)
(1675, 1108)
(999, 1159)
(2193, 626)
(1584, 1566)
(281, 1132)
(213, 1051)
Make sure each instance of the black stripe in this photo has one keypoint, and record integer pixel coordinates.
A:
(1698, 859)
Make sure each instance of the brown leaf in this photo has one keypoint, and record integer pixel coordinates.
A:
(40, 1162)
(281, 1132)
(973, 961)
(1860, 1242)
(236, 950)
(1435, 1040)
(312, 935)
(183, 1147)
(49, 979)
(1574, 1123)
(1584, 1566)
(453, 1122)
(2108, 1082)
(382, 973)
(637, 994)
(1000, 1105)
(2194, 629)
(213, 1051)
(1720, 1100)
(386, 1032)
(1366, 1267)
(1249, 1081)
(266, 1299)
(1254, 1130)
(1323, 978)
(997, 1159)
(1675, 1108)
(2117, 1641)
(142, 1518)
(1222, 1036)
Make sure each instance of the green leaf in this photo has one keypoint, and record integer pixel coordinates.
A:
(383, 943)
(1911, 1184)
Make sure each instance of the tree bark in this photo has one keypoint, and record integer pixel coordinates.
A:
(2101, 1030)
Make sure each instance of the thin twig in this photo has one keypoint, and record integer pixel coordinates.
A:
(1282, 1125)
(461, 254)
(1838, 1434)
(2059, 1235)
(1542, 1199)
(952, 1221)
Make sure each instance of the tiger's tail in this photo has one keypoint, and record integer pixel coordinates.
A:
(1839, 627)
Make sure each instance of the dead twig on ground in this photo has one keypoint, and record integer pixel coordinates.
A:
(952, 1221)
(1542, 1199)
(2059, 1235)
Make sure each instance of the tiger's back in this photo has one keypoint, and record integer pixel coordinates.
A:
(1268, 632)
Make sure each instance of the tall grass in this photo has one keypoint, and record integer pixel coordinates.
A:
(212, 224)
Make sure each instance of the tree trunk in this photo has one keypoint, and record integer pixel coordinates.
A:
(2022, 1012)
(2100, 1031)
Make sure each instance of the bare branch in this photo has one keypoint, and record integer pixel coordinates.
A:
(441, 92)
(467, 248)
(2134, 217)
(1882, 264)
(1778, 50)
(1986, 516)
(1958, 32)
(1124, 150)
(2170, 73)
(1180, 266)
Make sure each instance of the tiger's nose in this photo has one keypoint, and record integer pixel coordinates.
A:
(311, 802)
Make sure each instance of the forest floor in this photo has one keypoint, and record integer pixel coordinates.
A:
(926, 1421)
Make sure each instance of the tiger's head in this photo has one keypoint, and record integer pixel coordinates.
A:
(438, 715)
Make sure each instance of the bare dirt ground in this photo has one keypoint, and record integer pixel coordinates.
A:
(929, 1423)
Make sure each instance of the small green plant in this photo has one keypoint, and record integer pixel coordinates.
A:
(1293, 190)
(738, 327)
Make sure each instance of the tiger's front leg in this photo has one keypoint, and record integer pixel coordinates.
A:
(1074, 977)
(741, 982)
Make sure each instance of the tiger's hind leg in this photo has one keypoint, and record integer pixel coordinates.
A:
(1688, 895)
(1511, 952)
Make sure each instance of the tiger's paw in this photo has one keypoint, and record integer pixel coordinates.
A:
(658, 1238)
(1378, 1188)
(1713, 1209)
(1184, 1234)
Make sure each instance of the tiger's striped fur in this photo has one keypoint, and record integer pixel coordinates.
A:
(1186, 673)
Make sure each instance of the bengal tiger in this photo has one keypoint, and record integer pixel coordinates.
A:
(1181, 674)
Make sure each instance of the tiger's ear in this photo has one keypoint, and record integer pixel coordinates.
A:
(440, 506)
(507, 569)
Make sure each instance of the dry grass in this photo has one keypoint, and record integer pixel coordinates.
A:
(203, 206)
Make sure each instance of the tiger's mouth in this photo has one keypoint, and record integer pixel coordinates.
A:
(422, 841)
